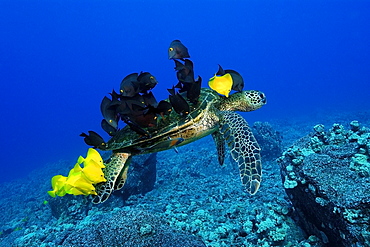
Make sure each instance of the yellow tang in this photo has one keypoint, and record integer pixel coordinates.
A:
(80, 180)
(94, 155)
(221, 84)
(58, 182)
(76, 169)
(78, 185)
(93, 164)
(93, 172)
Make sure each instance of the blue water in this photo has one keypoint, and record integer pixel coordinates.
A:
(58, 59)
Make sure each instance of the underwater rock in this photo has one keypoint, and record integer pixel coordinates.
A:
(132, 228)
(268, 139)
(142, 176)
(326, 176)
(71, 207)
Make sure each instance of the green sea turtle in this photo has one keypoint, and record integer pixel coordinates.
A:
(212, 114)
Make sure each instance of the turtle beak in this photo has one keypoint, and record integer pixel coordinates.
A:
(263, 98)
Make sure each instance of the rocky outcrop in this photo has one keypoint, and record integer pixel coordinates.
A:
(142, 175)
(327, 178)
(269, 140)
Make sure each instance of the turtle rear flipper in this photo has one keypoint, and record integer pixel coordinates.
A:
(243, 148)
(220, 145)
(116, 174)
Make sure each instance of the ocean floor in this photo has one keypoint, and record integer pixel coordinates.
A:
(193, 195)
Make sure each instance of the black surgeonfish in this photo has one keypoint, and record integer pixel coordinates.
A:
(146, 82)
(193, 92)
(163, 108)
(181, 87)
(177, 50)
(108, 128)
(185, 72)
(145, 118)
(115, 98)
(238, 82)
(137, 83)
(94, 139)
(123, 108)
(178, 102)
(185, 75)
(149, 99)
(129, 87)
(138, 111)
(135, 100)
(136, 127)
(148, 116)
(109, 112)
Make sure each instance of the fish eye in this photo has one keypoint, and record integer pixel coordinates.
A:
(151, 78)
(171, 49)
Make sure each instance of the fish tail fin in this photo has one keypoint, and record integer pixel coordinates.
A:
(52, 193)
(80, 159)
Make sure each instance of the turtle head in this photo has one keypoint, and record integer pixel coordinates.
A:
(247, 100)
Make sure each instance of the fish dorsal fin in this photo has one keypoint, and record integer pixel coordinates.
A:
(76, 169)
(220, 71)
(80, 160)
(94, 155)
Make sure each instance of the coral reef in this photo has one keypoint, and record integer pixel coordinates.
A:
(194, 195)
(326, 176)
(269, 140)
(130, 228)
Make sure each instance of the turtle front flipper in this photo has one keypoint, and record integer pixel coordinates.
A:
(220, 145)
(243, 148)
(116, 174)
